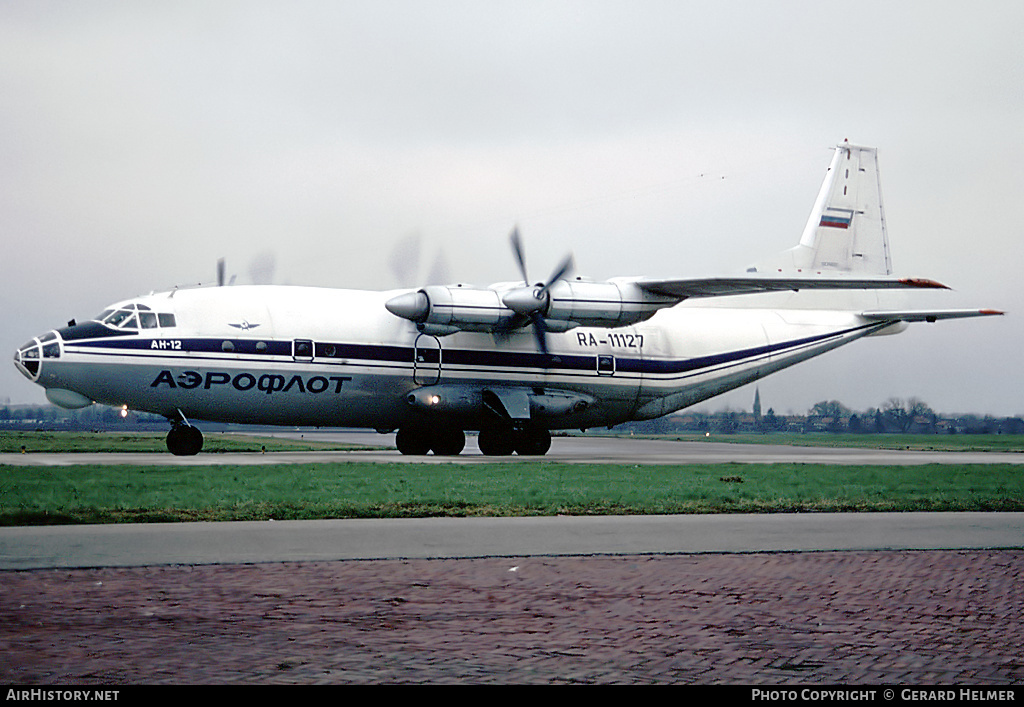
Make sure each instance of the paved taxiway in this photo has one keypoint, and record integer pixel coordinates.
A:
(432, 538)
(213, 543)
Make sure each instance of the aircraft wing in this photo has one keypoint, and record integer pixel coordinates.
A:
(742, 285)
(926, 315)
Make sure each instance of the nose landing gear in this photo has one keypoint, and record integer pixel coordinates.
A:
(184, 440)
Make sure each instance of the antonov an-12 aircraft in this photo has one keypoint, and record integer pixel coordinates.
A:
(512, 361)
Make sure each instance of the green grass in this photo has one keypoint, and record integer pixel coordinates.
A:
(110, 494)
(214, 443)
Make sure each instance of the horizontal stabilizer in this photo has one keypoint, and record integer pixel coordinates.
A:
(726, 286)
(922, 315)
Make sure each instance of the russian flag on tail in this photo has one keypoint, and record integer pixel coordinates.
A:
(836, 218)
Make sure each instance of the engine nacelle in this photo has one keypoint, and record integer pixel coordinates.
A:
(444, 310)
(603, 304)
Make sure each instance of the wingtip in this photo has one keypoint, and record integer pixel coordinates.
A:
(923, 282)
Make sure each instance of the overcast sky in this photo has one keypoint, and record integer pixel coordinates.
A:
(306, 140)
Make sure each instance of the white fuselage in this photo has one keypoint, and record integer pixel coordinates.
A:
(336, 358)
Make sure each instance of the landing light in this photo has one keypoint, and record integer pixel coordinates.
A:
(435, 399)
(124, 411)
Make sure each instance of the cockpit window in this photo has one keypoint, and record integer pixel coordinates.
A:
(135, 316)
(122, 319)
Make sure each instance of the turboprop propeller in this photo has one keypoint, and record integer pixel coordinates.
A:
(406, 263)
(261, 270)
(440, 310)
(531, 301)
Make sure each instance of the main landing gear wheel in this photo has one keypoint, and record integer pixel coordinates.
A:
(448, 442)
(496, 442)
(501, 442)
(533, 442)
(443, 441)
(184, 440)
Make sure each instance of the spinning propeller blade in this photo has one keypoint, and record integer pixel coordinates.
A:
(531, 301)
(517, 250)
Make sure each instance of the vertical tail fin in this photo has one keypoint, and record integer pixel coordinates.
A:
(845, 232)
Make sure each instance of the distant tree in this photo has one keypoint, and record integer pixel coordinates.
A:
(919, 408)
(1012, 426)
(829, 408)
(902, 414)
(701, 421)
(878, 418)
(725, 422)
(831, 412)
(896, 414)
(855, 424)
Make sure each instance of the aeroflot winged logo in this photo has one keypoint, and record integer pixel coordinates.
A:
(244, 326)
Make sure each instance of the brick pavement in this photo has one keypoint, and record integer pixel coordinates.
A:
(918, 618)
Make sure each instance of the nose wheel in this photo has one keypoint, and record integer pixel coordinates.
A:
(184, 440)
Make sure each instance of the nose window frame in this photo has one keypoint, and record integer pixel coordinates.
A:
(29, 357)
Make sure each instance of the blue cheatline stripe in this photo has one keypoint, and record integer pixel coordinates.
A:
(691, 364)
(370, 354)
